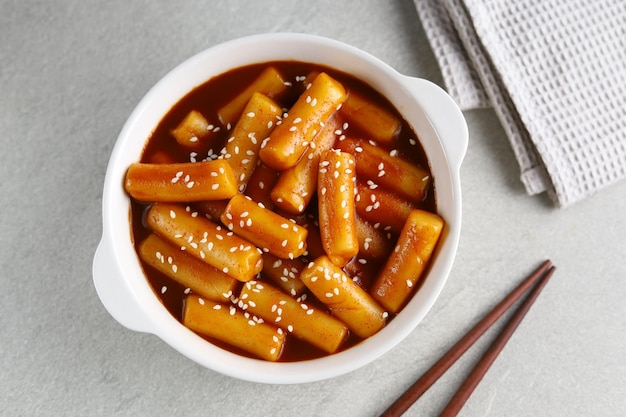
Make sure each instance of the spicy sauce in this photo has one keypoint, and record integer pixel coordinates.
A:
(207, 99)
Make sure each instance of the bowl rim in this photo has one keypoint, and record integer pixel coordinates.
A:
(182, 79)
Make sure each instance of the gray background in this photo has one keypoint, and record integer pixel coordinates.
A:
(71, 73)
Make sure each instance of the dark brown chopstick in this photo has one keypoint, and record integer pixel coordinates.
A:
(457, 402)
(433, 374)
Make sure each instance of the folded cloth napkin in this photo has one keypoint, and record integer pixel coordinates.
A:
(554, 72)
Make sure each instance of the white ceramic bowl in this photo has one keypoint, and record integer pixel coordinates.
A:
(117, 274)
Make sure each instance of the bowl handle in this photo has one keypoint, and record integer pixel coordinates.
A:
(115, 294)
(445, 116)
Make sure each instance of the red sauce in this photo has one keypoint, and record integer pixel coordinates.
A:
(207, 99)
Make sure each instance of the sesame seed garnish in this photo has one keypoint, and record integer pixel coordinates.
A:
(163, 289)
(172, 214)
(201, 301)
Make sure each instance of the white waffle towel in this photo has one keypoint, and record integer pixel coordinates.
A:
(554, 72)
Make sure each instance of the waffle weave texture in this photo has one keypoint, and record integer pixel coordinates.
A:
(555, 73)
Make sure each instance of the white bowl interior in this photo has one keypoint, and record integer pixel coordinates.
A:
(197, 70)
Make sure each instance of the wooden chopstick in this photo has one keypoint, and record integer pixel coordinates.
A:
(543, 273)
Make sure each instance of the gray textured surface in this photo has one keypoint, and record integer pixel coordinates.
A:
(72, 71)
